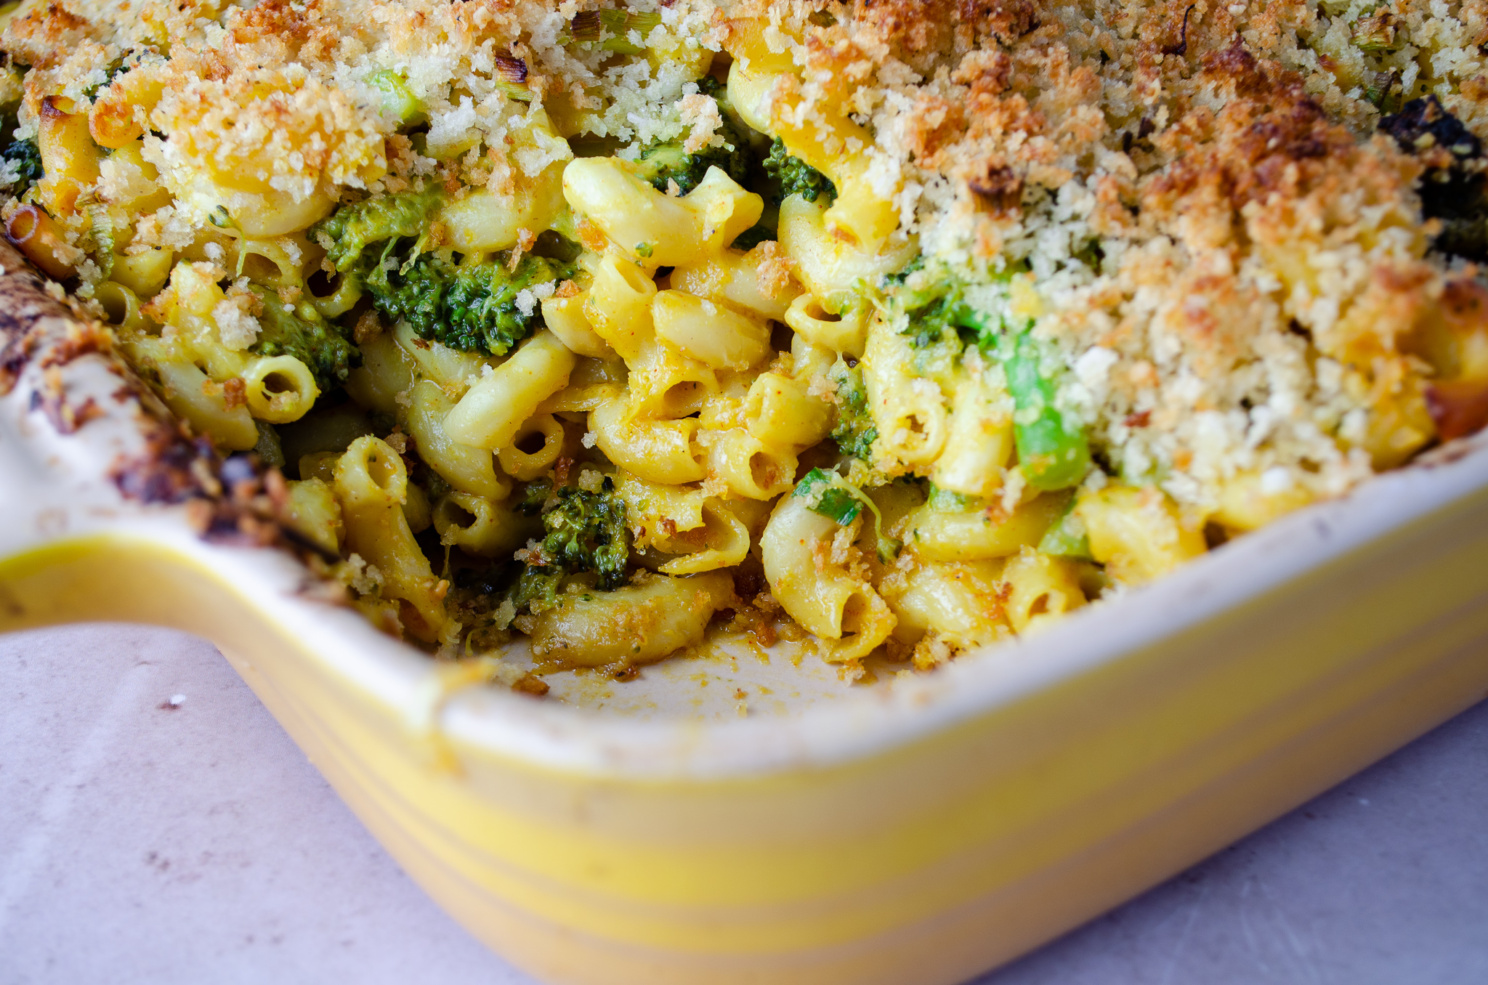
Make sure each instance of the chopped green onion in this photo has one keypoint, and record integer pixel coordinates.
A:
(611, 29)
(945, 501)
(1382, 91)
(511, 78)
(397, 98)
(1376, 33)
(102, 234)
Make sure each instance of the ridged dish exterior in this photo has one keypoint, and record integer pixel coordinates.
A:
(925, 861)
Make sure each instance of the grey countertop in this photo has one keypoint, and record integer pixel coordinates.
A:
(156, 825)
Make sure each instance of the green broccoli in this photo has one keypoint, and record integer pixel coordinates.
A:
(25, 163)
(666, 161)
(300, 331)
(753, 236)
(934, 300)
(854, 431)
(795, 176)
(348, 231)
(532, 498)
(936, 310)
(470, 305)
(584, 532)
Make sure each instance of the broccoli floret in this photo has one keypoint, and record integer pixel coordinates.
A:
(470, 306)
(301, 332)
(946, 314)
(939, 303)
(482, 308)
(24, 161)
(933, 300)
(411, 291)
(536, 589)
(352, 228)
(667, 161)
(532, 498)
(584, 532)
(854, 431)
(662, 163)
(796, 177)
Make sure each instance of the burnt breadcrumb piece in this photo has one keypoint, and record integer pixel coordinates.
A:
(1453, 187)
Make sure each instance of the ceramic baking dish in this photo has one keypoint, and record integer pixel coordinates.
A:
(744, 818)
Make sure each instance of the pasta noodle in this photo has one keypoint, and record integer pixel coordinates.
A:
(637, 624)
(371, 484)
(494, 409)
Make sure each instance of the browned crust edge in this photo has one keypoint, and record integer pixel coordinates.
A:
(230, 501)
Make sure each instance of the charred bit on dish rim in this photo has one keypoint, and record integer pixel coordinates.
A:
(228, 501)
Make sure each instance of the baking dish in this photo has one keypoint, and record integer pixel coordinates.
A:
(733, 819)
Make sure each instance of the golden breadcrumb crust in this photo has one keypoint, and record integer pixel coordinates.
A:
(1263, 274)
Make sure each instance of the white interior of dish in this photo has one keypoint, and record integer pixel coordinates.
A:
(725, 710)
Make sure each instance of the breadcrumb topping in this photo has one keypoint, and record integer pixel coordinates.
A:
(1228, 257)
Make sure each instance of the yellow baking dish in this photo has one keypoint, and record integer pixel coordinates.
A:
(734, 819)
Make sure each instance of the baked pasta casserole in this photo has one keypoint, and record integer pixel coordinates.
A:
(898, 326)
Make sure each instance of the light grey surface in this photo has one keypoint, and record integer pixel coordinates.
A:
(142, 841)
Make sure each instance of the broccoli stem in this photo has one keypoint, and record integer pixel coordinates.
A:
(1053, 450)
